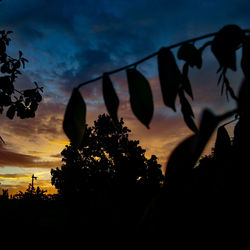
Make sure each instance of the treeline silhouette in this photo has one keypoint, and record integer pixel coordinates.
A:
(108, 187)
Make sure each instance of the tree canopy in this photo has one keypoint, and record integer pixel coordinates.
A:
(106, 158)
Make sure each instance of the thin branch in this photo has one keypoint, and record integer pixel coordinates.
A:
(152, 55)
(227, 123)
(228, 114)
(18, 91)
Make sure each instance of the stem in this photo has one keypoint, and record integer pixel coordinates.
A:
(18, 91)
(153, 55)
(228, 114)
(227, 123)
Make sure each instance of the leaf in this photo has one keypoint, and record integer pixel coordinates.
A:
(190, 54)
(208, 123)
(11, 112)
(111, 99)
(141, 98)
(170, 77)
(224, 45)
(185, 81)
(180, 164)
(74, 118)
(187, 153)
(187, 112)
(222, 143)
(245, 60)
(244, 100)
(29, 93)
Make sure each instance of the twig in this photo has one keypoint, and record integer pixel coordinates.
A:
(150, 56)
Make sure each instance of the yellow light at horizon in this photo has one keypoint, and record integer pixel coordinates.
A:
(14, 177)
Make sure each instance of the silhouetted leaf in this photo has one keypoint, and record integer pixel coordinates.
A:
(170, 77)
(29, 93)
(187, 112)
(243, 99)
(141, 98)
(11, 112)
(110, 98)
(208, 123)
(2, 47)
(185, 81)
(74, 118)
(224, 45)
(180, 165)
(245, 61)
(33, 106)
(21, 110)
(5, 100)
(6, 85)
(222, 143)
(190, 54)
(188, 152)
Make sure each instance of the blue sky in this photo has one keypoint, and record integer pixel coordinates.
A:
(69, 42)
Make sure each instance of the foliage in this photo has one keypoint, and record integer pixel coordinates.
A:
(175, 83)
(31, 193)
(105, 159)
(22, 103)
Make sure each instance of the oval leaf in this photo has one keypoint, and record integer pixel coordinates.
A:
(222, 143)
(243, 98)
(11, 112)
(224, 45)
(141, 98)
(110, 98)
(185, 81)
(74, 118)
(187, 153)
(208, 123)
(245, 61)
(187, 112)
(170, 77)
(180, 165)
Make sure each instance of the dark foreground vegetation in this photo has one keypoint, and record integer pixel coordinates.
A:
(94, 200)
(107, 187)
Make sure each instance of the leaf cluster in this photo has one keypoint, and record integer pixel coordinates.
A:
(173, 81)
(21, 103)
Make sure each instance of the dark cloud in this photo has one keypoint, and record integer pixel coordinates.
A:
(14, 159)
(9, 158)
(14, 176)
(92, 37)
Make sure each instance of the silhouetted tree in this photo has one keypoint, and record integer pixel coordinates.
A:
(106, 158)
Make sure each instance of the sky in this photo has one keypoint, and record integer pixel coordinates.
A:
(69, 42)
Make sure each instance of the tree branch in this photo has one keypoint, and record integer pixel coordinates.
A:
(150, 56)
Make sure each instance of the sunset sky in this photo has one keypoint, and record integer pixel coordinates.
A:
(69, 42)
